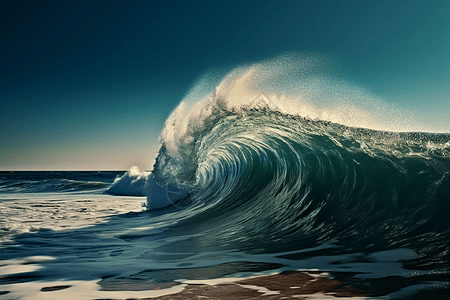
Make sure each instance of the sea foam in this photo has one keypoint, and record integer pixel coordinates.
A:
(142, 183)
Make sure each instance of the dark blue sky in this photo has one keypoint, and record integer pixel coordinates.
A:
(89, 84)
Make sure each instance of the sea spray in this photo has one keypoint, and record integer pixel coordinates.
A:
(297, 84)
(132, 183)
(142, 183)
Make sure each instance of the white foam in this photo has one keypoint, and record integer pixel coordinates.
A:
(78, 290)
(16, 266)
(50, 211)
(298, 84)
(264, 291)
(132, 183)
(142, 183)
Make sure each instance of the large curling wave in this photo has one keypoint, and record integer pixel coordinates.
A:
(282, 154)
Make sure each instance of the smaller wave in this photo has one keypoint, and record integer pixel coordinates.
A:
(142, 183)
(50, 185)
(132, 183)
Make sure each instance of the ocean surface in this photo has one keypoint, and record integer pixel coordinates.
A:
(239, 189)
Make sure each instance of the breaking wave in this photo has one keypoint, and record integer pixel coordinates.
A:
(282, 151)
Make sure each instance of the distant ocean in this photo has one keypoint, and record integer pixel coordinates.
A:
(246, 200)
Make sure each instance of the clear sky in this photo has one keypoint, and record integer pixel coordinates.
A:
(87, 85)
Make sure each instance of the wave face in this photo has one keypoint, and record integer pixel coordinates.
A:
(267, 177)
(270, 171)
(281, 156)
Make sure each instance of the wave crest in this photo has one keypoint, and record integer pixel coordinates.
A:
(287, 140)
(305, 85)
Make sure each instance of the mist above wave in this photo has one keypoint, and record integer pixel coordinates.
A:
(306, 85)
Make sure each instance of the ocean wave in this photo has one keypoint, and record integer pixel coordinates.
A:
(272, 166)
(276, 176)
(50, 185)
